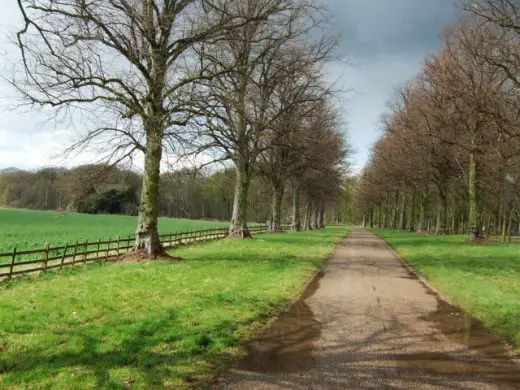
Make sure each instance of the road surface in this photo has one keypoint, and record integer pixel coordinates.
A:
(367, 323)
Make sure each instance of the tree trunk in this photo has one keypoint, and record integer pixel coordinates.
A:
(321, 217)
(276, 216)
(296, 225)
(422, 226)
(402, 218)
(444, 213)
(147, 236)
(411, 217)
(438, 224)
(505, 223)
(371, 218)
(308, 214)
(474, 211)
(453, 224)
(315, 218)
(238, 226)
(396, 208)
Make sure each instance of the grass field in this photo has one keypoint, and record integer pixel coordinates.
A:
(482, 278)
(28, 229)
(154, 324)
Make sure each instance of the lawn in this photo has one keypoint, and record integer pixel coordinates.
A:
(152, 324)
(484, 279)
(28, 229)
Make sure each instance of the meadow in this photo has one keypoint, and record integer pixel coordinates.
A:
(27, 229)
(152, 324)
(484, 279)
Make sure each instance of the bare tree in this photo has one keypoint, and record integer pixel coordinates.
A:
(242, 103)
(288, 144)
(131, 65)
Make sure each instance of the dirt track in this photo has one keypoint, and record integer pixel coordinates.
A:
(368, 324)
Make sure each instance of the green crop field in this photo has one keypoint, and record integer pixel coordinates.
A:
(27, 229)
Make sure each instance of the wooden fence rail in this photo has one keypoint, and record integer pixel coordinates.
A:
(18, 262)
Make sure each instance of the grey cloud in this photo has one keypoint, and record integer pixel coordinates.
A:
(375, 28)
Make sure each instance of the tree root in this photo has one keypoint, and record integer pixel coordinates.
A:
(139, 256)
(242, 233)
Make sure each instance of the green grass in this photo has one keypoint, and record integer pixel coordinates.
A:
(482, 278)
(153, 324)
(27, 229)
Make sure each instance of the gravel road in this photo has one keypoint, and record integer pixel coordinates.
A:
(366, 323)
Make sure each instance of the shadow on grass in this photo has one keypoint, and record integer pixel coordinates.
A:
(170, 331)
(152, 354)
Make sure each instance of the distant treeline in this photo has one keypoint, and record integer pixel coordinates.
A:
(107, 189)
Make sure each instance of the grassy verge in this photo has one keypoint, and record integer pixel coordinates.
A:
(483, 279)
(151, 325)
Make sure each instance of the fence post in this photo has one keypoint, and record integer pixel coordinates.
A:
(64, 254)
(108, 250)
(85, 253)
(46, 257)
(128, 249)
(118, 246)
(97, 250)
(13, 259)
(75, 251)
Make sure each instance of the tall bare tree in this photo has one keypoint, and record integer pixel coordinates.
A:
(242, 102)
(131, 65)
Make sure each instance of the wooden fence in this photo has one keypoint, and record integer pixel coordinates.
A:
(18, 262)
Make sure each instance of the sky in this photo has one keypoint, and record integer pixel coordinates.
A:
(383, 44)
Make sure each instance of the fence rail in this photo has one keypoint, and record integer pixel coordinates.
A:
(18, 262)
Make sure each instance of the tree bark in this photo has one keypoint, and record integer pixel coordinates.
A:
(296, 225)
(276, 211)
(422, 226)
(505, 222)
(147, 235)
(396, 208)
(315, 218)
(308, 215)
(321, 215)
(474, 211)
(238, 226)
(411, 217)
(402, 218)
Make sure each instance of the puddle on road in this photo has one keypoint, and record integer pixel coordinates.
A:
(463, 329)
(460, 327)
(286, 346)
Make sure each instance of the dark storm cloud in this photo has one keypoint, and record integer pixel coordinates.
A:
(385, 43)
(378, 28)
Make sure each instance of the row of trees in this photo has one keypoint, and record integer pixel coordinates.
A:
(88, 188)
(185, 193)
(239, 80)
(448, 160)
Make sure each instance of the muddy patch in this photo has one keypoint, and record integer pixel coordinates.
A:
(287, 345)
